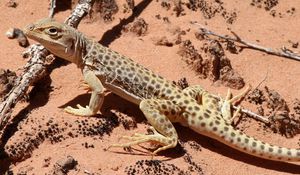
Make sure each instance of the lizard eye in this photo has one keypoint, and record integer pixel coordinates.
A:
(52, 31)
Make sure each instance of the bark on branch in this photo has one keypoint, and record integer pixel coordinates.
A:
(36, 66)
(283, 52)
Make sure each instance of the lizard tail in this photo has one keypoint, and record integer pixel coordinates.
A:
(219, 130)
(240, 141)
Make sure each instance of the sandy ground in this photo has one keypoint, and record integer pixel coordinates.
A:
(85, 139)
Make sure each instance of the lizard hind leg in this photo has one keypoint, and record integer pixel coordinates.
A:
(164, 133)
(195, 92)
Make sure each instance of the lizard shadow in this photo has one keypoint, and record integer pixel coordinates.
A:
(220, 148)
(37, 97)
(132, 111)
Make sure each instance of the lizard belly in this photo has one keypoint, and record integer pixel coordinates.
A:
(123, 93)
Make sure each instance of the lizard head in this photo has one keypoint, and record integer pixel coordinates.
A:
(60, 39)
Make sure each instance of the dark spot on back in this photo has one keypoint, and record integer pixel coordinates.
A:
(208, 111)
(197, 108)
(246, 140)
(194, 114)
(157, 86)
(206, 115)
(279, 150)
(173, 112)
(112, 63)
(100, 56)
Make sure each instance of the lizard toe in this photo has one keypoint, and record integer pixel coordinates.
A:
(80, 111)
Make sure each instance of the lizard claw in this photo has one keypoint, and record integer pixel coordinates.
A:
(81, 111)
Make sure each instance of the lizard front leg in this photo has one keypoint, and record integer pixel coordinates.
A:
(164, 133)
(96, 99)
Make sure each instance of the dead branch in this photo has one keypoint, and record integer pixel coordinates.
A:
(36, 66)
(52, 8)
(248, 112)
(284, 52)
(254, 115)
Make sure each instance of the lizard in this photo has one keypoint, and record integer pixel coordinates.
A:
(160, 100)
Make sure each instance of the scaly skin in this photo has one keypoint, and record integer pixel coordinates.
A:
(160, 100)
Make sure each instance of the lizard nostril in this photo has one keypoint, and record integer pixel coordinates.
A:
(30, 27)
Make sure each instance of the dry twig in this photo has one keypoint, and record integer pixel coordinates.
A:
(284, 52)
(254, 115)
(36, 66)
(248, 112)
(52, 8)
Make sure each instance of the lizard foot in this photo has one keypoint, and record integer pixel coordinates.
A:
(227, 103)
(156, 137)
(81, 111)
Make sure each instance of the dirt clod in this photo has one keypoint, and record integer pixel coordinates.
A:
(7, 80)
(282, 119)
(106, 8)
(17, 33)
(63, 166)
(213, 65)
(182, 83)
(12, 4)
(210, 9)
(139, 27)
(266, 4)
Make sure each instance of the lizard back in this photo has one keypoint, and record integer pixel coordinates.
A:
(123, 73)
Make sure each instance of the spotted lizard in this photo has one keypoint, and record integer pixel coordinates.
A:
(162, 102)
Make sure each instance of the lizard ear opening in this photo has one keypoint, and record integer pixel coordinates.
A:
(69, 47)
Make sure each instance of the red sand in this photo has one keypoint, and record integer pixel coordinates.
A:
(214, 158)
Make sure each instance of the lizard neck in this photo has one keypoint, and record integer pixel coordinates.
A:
(81, 48)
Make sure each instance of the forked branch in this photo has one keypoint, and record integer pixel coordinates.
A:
(283, 52)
